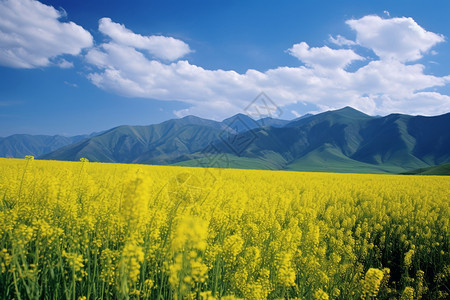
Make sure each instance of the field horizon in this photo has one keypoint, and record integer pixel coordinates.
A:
(344, 140)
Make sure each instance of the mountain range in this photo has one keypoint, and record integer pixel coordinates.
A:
(19, 145)
(344, 140)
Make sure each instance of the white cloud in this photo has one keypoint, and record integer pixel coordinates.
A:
(421, 103)
(379, 87)
(64, 64)
(323, 57)
(341, 41)
(31, 34)
(400, 39)
(296, 114)
(158, 46)
(71, 84)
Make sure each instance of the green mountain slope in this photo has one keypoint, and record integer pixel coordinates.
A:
(328, 158)
(344, 140)
(19, 145)
(436, 170)
(153, 144)
(347, 140)
(338, 129)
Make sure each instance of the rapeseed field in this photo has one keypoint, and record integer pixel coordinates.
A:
(82, 230)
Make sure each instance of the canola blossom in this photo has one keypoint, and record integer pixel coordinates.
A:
(82, 230)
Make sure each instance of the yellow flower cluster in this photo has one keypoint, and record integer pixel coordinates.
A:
(84, 230)
(5, 260)
(408, 294)
(321, 295)
(76, 264)
(371, 283)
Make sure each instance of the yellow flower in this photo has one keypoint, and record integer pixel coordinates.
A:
(132, 257)
(371, 283)
(408, 258)
(286, 274)
(320, 295)
(408, 294)
(190, 233)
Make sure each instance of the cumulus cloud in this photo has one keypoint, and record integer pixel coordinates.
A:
(64, 64)
(158, 46)
(341, 41)
(126, 71)
(401, 39)
(31, 35)
(380, 86)
(323, 57)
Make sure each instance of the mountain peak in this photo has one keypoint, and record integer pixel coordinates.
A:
(240, 123)
(350, 112)
(190, 117)
(193, 120)
(348, 109)
(237, 116)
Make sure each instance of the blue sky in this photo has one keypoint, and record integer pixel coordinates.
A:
(71, 67)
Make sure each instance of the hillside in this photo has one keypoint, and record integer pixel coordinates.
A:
(344, 140)
(347, 140)
(153, 144)
(443, 169)
(19, 145)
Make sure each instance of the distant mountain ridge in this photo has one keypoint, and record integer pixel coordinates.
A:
(343, 140)
(153, 144)
(349, 140)
(19, 145)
